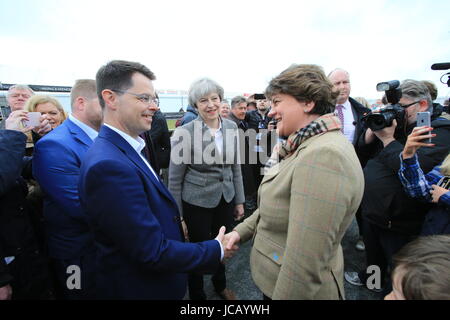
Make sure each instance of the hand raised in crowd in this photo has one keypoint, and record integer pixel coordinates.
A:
(238, 212)
(271, 126)
(437, 192)
(5, 292)
(414, 141)
(229, 250)
(44, 126)
(386, 135)
(14, 121)
(370, 136)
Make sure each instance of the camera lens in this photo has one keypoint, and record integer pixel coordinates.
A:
(376, 122)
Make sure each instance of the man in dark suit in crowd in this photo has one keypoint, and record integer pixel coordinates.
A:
(23, 268)
(350, 112)
(135, 220)
(237, 114)
(56, 166)
(261, 146)
(157, 150)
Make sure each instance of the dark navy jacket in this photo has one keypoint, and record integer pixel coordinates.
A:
(17, 235)
(56, 166)
(191, 114)
(136, 226)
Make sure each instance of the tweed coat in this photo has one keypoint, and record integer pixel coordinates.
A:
(306, 202)
(198, 173)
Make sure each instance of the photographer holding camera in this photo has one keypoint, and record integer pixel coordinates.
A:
(391, 219)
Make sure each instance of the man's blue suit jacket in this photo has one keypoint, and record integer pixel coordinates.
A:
(136, 226)
(56, 166)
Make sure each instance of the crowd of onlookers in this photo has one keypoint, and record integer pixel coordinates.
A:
(139, 210)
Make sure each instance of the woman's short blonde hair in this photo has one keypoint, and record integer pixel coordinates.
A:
(37, 99)
(445, 166)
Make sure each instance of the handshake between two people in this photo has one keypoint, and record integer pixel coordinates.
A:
(229, 242)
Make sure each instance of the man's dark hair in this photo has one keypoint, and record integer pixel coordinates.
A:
(238, 99)
(117, 74)
(252, 103)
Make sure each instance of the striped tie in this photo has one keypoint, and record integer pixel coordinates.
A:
(340, 115)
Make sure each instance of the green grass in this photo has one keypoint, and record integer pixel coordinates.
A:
(171, 124)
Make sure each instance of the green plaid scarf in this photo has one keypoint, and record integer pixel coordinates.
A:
(283, 149)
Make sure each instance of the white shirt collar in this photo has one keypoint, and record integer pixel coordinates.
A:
(347, 105)
(137, 144)
(88, 130)
(206, 126)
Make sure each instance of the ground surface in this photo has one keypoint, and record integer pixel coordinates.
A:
(240, 281)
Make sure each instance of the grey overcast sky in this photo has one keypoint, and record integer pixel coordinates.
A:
(241, 44)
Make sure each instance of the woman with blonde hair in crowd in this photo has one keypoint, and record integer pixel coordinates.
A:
(306, 200)
(52, 110)
(363, 101)
(49, 106)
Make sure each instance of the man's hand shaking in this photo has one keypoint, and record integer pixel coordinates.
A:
(229, 248)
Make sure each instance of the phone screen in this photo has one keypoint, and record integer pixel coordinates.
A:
(424, 119)
(33, 119)
(444, 182)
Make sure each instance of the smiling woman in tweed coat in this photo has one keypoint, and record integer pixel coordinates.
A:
(310, 192)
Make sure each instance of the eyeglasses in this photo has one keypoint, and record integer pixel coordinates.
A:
(144, 98)
(409, 105)
(18, 95)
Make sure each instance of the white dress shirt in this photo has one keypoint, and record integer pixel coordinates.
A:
(137, 144)
(218, 136)
(348, 126)
(91, 133)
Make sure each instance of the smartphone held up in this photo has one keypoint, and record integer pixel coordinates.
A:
(33, 120)
(424, 120)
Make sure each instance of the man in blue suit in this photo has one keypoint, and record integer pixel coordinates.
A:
(56, 166)
(141, 253)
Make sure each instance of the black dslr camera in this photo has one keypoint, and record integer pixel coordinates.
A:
(380, 120)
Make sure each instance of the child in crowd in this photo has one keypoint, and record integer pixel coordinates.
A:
(421, 270)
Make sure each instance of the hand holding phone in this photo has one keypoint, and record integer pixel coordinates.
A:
(444, 182)
(15, 121)
(424, 120)
(416, 140)
(33, 120)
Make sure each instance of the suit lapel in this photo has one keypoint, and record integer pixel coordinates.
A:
(126, 148)
(78, 133)
(226, 143)
(358, 113)
(208, 141)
